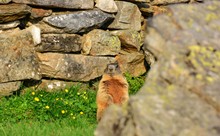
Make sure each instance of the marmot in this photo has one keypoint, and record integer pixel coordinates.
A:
(113, 89)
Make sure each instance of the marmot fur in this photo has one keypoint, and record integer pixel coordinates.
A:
(113, 89)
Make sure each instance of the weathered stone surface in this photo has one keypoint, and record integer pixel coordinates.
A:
(4, 1)
(149, 10)
(71, 4)
(144, 1)
(131, 40)
(107, 5)
(18, 60)
(12, 12)
(59, 43)
(181, 95)
(128, 17)
(46, 28)
(39, 12)
(73, 67)
(100, 42)
(55, 85)
(9, 25)
(81, 21)
(133, 63)
(165, 2)
(9, 87)
(149, 57)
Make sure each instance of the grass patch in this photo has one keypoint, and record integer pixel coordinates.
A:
(71, 111)
(78, 127)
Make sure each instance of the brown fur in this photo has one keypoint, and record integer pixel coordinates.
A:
(113, 89)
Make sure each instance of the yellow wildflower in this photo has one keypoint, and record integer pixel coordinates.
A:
(66, 90)
(33, 93)
(47, 107)
(84, 92)
(74, 117)
(81, 113)
(37, 99)
(63, 111)
(71, 114)
(57, 99)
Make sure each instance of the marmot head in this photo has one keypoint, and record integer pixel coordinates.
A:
(113, 69)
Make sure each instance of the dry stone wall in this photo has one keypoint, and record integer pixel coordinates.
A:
(70, 40)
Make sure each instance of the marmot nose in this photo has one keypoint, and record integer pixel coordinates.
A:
(110, 69)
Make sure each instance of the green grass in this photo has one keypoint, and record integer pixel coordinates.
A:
(68, 112)
(79, 127)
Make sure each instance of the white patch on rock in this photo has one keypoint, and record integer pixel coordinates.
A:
(50, 86)
(36, 34)
(32, 74)
(58, 84)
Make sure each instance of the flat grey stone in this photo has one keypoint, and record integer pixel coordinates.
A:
(59, 43)
(77, 22)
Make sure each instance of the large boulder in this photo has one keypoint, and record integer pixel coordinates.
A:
(181, 95)
(131, 40)
(100, 42)
(132, 63)
(127, 17)
(18, 60)
(81, 21)
(12, 12)
(71, 4)
(72, 66)
(59, 43)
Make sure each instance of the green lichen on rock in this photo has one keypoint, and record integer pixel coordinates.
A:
(210, 17)
(212, 7)
(204, 57)
(114, 42)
